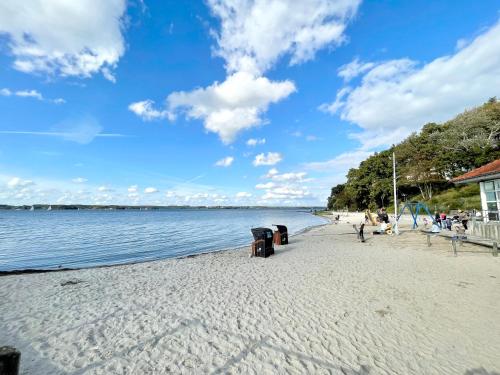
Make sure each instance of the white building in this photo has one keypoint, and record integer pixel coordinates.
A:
(488, 177)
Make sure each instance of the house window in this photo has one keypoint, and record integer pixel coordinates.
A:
(492, 191)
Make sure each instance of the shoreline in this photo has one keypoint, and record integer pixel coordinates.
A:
(29, 271)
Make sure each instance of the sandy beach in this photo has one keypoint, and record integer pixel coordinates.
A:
(325, 304)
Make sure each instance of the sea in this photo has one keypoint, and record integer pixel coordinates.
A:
(49, 240)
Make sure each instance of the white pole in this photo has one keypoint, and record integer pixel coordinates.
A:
(395, 229)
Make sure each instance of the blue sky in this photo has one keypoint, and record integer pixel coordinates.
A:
(224, 102)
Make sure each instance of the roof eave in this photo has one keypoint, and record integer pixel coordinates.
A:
(484, 177)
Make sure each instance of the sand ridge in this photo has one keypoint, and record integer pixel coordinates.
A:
(325, 304)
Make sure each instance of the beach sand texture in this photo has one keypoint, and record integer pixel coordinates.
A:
(325, 304)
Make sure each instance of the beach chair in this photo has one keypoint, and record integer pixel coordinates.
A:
(280, 236)
(263, 242)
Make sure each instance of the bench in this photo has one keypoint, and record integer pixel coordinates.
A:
(460, 238)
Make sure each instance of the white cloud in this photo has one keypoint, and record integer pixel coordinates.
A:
(144, 109)
(354, 69)
(79, 180)
(267, 185)
(243, 194)
(285, 188)
(225, 162)
(64, 38)
(29, 94)
(254, 142)
(133, 189)
(150, 190)
(254, 34)
(103, 189)
(397, 97)
(271, 158)
(17, 182)
(272, 172)
(290, 176)
(285, 192)
(232, 106)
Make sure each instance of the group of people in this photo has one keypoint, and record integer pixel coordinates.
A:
(445, 222)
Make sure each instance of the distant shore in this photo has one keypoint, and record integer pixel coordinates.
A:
(326, 303)
(45, 207)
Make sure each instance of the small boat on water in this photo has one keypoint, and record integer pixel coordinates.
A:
(50, 208)
(32, 208)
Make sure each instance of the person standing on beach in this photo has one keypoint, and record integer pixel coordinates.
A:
(463, 217)
(437, 219)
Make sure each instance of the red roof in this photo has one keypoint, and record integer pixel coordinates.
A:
(486, 170)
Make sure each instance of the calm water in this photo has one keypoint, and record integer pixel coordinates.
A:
(78, 239)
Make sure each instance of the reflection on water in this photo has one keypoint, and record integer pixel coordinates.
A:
(85, 238)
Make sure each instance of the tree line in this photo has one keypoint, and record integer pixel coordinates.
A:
(425, 160)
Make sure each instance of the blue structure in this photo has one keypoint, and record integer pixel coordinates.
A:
(414, 208)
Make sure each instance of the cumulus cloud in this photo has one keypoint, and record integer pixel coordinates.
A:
(104, 189)
(82, 39)
(283, 192)
(232, 106)
(272, 172)
(17, 182)
(243, 194)
(354, 69)
(267, 185)
(290, 176)
(397, 97)
(150, 190)
(271, 158)
(79, 180)
(285, 188)
(133, 189)
(145, 110)
(254, 34)
(254, 142)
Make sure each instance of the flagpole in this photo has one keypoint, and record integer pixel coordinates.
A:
(395, 229)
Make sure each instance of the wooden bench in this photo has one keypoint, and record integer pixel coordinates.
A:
(460, 238)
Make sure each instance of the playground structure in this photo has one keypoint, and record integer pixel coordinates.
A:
(415, 208)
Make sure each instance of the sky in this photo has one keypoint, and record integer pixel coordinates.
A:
(226, 102)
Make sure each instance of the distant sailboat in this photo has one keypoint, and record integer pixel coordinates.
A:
(50, 208)
(32, 208)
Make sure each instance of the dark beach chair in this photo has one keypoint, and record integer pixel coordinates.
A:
(263, 242)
